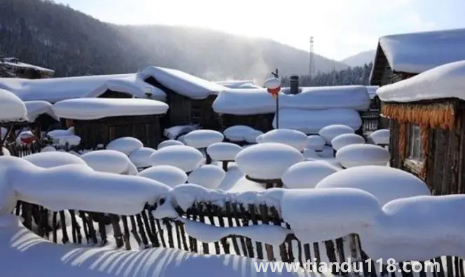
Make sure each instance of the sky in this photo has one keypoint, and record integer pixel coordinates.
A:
(340, 28)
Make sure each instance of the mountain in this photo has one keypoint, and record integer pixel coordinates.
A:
(360, 59)
(73, 43)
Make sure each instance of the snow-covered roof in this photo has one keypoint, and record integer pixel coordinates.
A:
(56, 89)
(96, 108)
(259, 101)
(14, 63)
(235, 83)
(181, 82)
(418, 52)
(37, 108)
(12, 109)
(446, 81)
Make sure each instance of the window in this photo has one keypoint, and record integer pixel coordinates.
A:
(415, 151)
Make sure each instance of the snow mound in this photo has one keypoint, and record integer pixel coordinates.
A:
(306, 175)
(167, 143)
(362, 154)
(346, 139)
(125, 145)
(203, 138)
(207, 176)
(166, 174)
(293, 138)
(238, 132)
(11, 107)
(385, 183)
(109, 161)
(267, 160)
(380, 136)
(315, 142)
(53, 159)
(223, 151)
(332, 131)
(141, 157)
(252, 136)
(184, 157)
(48, 149)
(310, 154)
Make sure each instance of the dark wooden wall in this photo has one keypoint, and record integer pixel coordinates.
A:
(263, 122)
(114, 94)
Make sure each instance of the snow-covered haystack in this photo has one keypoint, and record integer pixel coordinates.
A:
(310, 154)
(166, 174)
(203, 138)
(380, 136)
(53, 159)
(125, 145)
(110, 161)
(385, 183)
(306, 175)
(346, 139)
(238, 133)
(184, 157)
(252, 136)
(362, 154)
(167, 143)
(207, 176)
(267, 161)
(332, 131)
(315, 142)
(141, 157)
(293, 138)
(223, 151)
(11, 107)
(25, 137)
(48, 149)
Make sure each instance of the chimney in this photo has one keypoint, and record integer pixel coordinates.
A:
(294, 82)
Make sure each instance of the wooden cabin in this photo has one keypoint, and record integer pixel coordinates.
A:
(427, 114)
(261, 122)
(26, 71)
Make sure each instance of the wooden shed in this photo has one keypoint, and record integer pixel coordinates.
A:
(427, 114)
(101, 120)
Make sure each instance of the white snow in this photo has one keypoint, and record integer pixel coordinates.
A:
(418, 52)
(380, 136)
(372, 91)
(309, 153)
(306, 175)
(272, 83)
(167, 143)
(252, 136)
(207, 176)
(71, 140)
(37, 108)
(97, 108)
(312, 121)
(109, 161)
(11, 107)
(362, 154)
(203, 138)
(25, 137)
(235, 83)
(181, 82)
(267, 160)
(445, 81)
(6, 152)
(293, 138)
(53, 159)
(324, 214)
(315, 142)
(55, 134)
(125, 145)
(238, 132)
(176, 131)
(48, 149)
(223, 151)
(141, 157)
(346, 139)
(166, 174)
(331, 131)
(184, 157)
(385, 183)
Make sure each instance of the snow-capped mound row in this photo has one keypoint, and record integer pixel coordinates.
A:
(310, 154)
(385, 183)
(167, 143)
(37, 108)
(207, 176)
(238, 132)
(109, 161)
(315, 142)
(252, 136)
(346, 139)
(125, 145)
(203, 138)
(48, 149)
(380, 136)
(25, 137)
(267, 161)
(312, 121)
(331, 131)
(11, 107)
(362, 154)
(166, 174)
(141, 157)
(293, 138)
(324, 214)
(184, 157)
(306, 175)
(53, 159)
(223, 151)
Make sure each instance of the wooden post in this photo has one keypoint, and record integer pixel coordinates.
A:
(245, 222)
(231, 224)
(117, 233)
(265, 220)
(258, 245)
(126, 236)
(220, 214)
(134, 231)
(237, 222)
(63, 227)
(199, 211)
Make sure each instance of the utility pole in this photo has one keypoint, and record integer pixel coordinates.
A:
(311, 64)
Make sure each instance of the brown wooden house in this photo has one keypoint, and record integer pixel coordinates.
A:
(427, 115)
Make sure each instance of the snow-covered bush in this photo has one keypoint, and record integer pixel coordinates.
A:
(252, 136)
(48, 149)
(53, 159)
(310, 154)
(223, 151)
(207, 176)
(306, 175)
(125, 145)
(238, 133)
(110, 161)
(315, 142)
(332, 131)
(346, 139)
(380, 136)
(141, 157)
(293, 138)
(167, 143)
(166, 174)
(203, 138)
(362, 154)
(184, 157)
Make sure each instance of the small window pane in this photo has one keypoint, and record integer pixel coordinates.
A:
(415, 150)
